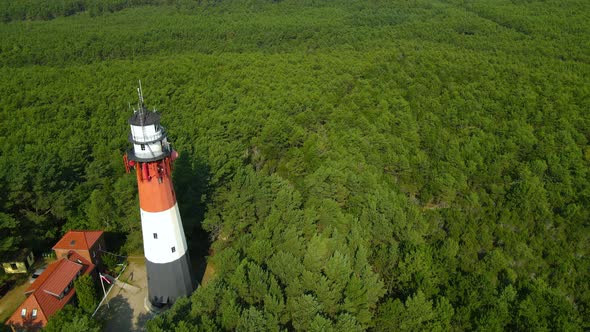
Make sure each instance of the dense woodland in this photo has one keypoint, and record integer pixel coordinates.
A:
(382, 165)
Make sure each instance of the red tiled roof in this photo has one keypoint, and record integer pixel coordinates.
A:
(76, 240)
(41, 279)
(50, 304)
(62, 277)
(53, 280)
(29, 304)
(76, 257)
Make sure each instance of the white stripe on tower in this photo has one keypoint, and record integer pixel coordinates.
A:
(163, 235)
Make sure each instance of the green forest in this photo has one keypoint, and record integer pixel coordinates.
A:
(401, 165)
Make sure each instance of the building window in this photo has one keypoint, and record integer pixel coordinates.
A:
(13, 266)
(23, 312)
(156, 236)
(143, 147)
(34, 313)
(173, 249)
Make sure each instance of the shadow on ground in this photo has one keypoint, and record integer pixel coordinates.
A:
(191, 181)
(120, 315)
(142, 320)
(198, 248)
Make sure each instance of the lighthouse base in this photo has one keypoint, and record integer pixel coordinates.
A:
(153, 309)
(169, 281)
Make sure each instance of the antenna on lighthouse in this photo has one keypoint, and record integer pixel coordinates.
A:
(140, 95)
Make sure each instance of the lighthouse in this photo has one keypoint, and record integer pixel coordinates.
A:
(166, 253)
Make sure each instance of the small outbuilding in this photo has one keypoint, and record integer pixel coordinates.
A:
(18, 262)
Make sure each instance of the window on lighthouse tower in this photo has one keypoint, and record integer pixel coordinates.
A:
(143, 147)
(173, 249)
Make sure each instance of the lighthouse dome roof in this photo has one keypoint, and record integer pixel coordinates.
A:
(144, 118)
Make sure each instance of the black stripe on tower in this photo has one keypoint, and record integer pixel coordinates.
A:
(169, 281)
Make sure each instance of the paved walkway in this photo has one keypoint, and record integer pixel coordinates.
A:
(127, 311)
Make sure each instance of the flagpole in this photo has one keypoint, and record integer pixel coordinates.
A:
(103, 290)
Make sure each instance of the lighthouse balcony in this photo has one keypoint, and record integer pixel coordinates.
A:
(147, 156)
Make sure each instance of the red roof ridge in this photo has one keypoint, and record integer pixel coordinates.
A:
(94, 239)
(85, 241)
(39, 307)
